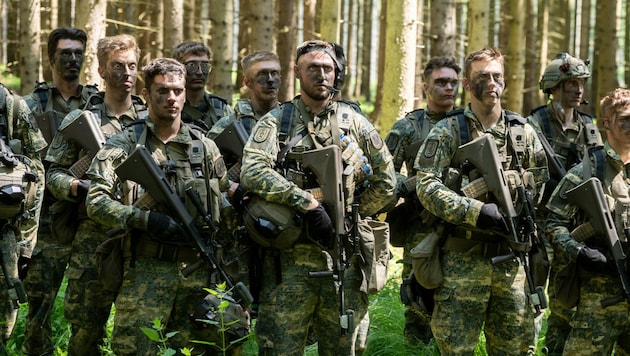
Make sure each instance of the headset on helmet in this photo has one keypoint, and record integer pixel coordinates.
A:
(563, 67)
(340, 70)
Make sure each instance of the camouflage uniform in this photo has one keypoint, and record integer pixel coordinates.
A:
(243, 112)
(475, 293)
(288, 307)
(594, 329)
(568, 146)
(13, 244)
(50, 257)
(206, 113)
(399, 140)
(153, 286)
(87, 304)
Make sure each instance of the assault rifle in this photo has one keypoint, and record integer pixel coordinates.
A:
(556, 168)
(48, 122)
(589, 196)
(325, 165)
(483, 155)
(15, 288)
(231, 142)
(141, 168)
(85, 130)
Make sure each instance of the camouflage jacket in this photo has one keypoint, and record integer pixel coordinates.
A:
(64, 151)
(261, 151)
(243, 111)
(207, 113)
(435, 157)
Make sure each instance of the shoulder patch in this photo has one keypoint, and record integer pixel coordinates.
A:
(219, 167)
(376, 140)
(261, 134)
(430, 147)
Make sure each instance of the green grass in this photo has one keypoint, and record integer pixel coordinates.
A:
(385, 338)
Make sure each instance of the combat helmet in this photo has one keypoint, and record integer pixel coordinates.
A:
(562, 67)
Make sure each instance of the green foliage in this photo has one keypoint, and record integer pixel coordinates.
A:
(7, 78)
(156, 333)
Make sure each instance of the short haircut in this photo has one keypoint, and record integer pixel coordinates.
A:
(64, 33)
(437, 63)
(115, 43)
(484, 54)
(614, 101)
(316, 45)
(258, 56)
(162, 66)
(191, 47)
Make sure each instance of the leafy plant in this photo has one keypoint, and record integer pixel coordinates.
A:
(156, 333)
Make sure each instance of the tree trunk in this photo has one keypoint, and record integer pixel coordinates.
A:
(532, 97)
(442, 32)
(606, 52)
(400, 55)
(310, 20)
(222, 20)
(478, 27)
(30, 63)
(192, 18)
(173, 25)
(380, 70)
(366, 52)
(329, 14)
(91, 18)
(262, 25)
(585, 52)
(350, 49)
(244, 33)
(418, 89)
(286, 38)
(516, 55)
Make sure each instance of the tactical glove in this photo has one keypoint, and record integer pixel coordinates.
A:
(82, 189)
(490, 218)
(164, 227)
(594, 260)
(23, 262)
(319, 225)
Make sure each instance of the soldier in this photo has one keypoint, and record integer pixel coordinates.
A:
(596, 326)
(50, 103)
(202, 109)
(440, 83)
(261, 77)
(155, 248)
(289, 300)
(476, 293)
(568, 132)
(87, 302)
(22, 180)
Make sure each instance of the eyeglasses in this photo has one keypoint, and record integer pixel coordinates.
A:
(193, 66)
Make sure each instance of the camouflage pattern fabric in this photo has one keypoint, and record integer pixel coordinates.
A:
(49, 261)
(288, 309)
(475, 294)
(151, 288)
(204, 114)
(558, 320)
(402, 134)
(594, 330)
(86, 305)
(21, 126)
(242, 108)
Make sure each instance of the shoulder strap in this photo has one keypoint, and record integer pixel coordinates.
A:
(544, 121)
(285, 120)
(460, 125)
(599, 156)
(217, 103)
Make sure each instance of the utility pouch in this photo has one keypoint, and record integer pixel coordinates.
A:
(374, 242)
(567, 285)
(427, 267)
(110, 263)
(64, 221)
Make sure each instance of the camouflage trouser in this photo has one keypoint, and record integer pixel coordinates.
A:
(10, 252)
(594, 329)
(289, 308)
(87, 304)
(42, 282)
(152, 290)
(558, 322)
(416, 327)
(477, 294)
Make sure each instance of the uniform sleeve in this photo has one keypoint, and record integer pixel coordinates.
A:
(257, 171)
(562, 213)
(433, 158)
(62, 154)
(102, 203)
(220, 125)
(381, 191)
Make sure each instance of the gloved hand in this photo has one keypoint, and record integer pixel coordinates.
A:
(22, 265)
(594, 260)
(319, 225)
(82, 189)
(164, 226)
(490, 218)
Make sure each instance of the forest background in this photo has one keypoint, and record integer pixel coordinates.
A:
(387, 42)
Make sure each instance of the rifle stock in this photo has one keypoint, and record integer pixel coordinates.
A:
(85, 130)
(231, 142)
(482, 153)
(325, 164)
(589, 196)
(141, 168)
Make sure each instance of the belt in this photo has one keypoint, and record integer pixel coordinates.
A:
(165, 252)
(475, 247)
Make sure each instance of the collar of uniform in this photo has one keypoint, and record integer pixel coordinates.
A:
(613, 156)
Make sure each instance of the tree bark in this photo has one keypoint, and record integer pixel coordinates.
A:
(173, 25)
(222, 20)
(91, 18)
(286, 39)
(30, 58)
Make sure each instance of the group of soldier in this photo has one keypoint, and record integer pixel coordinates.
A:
(309, 276)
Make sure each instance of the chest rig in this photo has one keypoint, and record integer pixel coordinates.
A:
(209, 112)
(334, 129)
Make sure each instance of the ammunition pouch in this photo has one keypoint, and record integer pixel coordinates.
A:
(427, 267)
(374, 246)
(110, 262)
(17, 188)
(226, 326)
(64, 221)
(270, 224)
(170, 252)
